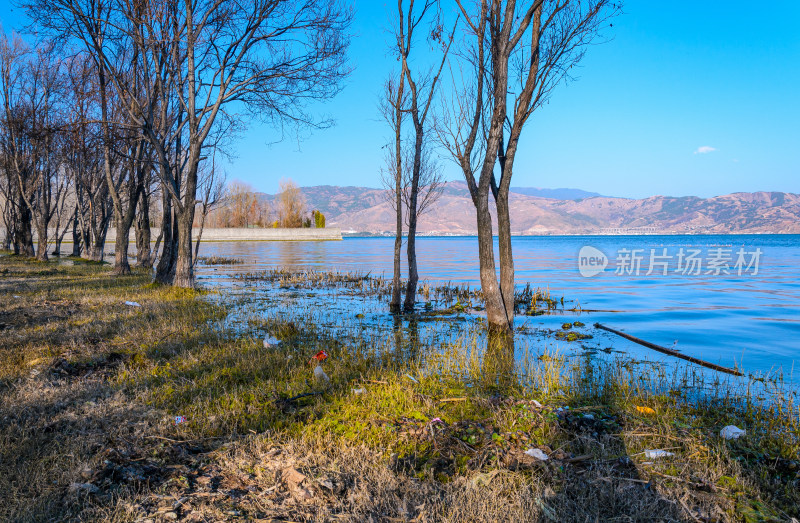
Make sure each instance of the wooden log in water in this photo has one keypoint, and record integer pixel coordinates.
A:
(670, 352)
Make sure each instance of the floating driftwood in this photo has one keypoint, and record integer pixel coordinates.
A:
(670, 352)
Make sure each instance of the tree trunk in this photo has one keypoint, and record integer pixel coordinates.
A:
(165, 271)
(394, 305)
(76, 235)
(23, 234)
(96, 250)
(86, 247)
(100, 219)
(144, 257)
(184, 268)
(124, 223)
(411, 252)
(411, 248)
(9, 219)
(506, 258)
(121, 265)
(41, 239)
(57, 246)
(495, 311)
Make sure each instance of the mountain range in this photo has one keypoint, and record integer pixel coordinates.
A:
(534, 211)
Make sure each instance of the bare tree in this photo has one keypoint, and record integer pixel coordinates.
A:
(422, 88)
(29, 86)
(212, 187)
(64, 207)
(291, 205)
(519, 52)
(391, 106)
(84, 159)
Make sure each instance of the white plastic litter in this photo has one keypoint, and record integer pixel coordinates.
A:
(359, 391)
(412, 378)
(537, 453)
(17, 297)
(536, 404)
(271, 341)
(658, 453)
(732, 432)
(320, 375)
(132, 304)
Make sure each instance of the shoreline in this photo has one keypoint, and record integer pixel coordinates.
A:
(108, 415)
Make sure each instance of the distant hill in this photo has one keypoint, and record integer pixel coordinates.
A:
(366, 210)
(555, 194)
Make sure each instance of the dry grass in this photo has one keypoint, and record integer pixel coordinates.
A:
(90, 388)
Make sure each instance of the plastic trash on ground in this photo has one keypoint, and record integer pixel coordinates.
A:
(180, 419)
(732, 432)
(270, 342)
(320, 356)
(645, 410)
(359, 391)
(320, 375)
(537, 454)
(132, 304)
(658, 453)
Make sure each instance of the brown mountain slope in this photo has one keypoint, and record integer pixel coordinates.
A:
(364, 210)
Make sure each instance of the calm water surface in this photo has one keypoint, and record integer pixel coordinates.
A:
(750, 319)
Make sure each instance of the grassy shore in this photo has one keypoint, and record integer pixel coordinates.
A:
(90, 388)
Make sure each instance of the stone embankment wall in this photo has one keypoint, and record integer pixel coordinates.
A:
(237, 235)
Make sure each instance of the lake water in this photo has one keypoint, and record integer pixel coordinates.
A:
(732, 300)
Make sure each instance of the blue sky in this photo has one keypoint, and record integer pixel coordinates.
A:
(689, 98)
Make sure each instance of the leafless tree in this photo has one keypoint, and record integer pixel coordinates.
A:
(29, 87)
(64, 205)
(391, 107)
(212, 187)
(196, 57)
(84, 159)
(422, 86)
(515, 54)
(291, 205)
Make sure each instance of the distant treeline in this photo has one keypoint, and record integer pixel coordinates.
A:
(240, 206)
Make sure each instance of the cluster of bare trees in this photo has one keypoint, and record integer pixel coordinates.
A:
(240, 206)
(52, 172)
(503, 59)
(127, 101)
(122, 107)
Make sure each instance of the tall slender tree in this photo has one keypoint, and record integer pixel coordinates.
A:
(519, 52)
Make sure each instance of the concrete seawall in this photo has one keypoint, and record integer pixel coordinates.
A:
(237, 235)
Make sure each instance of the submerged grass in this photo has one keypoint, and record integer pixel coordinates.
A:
(405, 430)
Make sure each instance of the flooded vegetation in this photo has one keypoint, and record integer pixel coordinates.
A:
(200, 419)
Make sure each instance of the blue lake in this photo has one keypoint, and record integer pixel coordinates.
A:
(732, 299)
